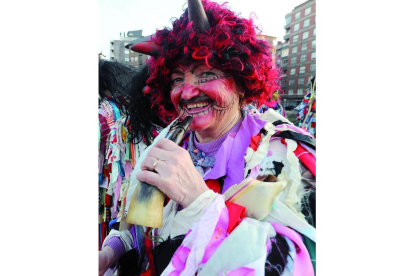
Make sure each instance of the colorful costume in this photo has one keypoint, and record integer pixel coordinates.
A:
(258, 172)
(117, 155)
(306, 114)
(258, 218)
(114, 163)
(117, 158)
(277, 107)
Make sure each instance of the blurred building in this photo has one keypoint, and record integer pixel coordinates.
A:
(296, 55)
(119, 53)
(271, 40)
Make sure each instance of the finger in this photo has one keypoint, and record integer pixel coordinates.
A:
(170, 147)
(149, 177)
(149, 162)
(158, 153)
(166, 144)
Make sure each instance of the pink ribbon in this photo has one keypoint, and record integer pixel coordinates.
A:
(302, 265)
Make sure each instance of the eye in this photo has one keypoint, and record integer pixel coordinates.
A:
(176, 80)
(207, 74)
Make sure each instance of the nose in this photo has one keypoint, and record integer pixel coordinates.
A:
(189, 91)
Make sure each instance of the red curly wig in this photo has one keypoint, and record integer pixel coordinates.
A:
(229, 45)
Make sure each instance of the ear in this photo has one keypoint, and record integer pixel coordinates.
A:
(240, 92)
(241, 98)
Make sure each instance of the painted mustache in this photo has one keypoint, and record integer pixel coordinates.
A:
(195, 99)
(204, 98)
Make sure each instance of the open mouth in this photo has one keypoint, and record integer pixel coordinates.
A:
(197, 107)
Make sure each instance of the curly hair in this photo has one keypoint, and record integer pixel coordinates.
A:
(142, 116)
(230, 45)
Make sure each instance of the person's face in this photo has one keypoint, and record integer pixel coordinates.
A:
(207, 94)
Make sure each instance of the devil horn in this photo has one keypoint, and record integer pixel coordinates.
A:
(144, 45)
(197, 14)
(147, 48)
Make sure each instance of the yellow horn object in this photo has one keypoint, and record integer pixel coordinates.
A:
(147, 201)
(146, 206)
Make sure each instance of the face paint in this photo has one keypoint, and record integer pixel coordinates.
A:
(207, 94)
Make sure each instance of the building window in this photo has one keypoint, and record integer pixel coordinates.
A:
(314, 44)
(302, 70)
(314, 32)
(278, 61)
(313, 67)
(307, 11)
(294, 50)
(285, 61)
(300, 91)
(304, 46)
(126, 52)
(296, 27)
(291, 82)
(303, 58)
(293, 71)
(293, 60)
(297, 16)
(285, 52)
(301, 81)
(306, 23)
(287, 20)
(283, 82)
(295, 38)
(313, 55)
(290, 92)
(127, 59)
(305, 35)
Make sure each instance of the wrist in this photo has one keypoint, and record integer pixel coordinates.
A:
(191, 198)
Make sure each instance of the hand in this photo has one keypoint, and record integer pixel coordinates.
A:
(175, 174)
(107, 258)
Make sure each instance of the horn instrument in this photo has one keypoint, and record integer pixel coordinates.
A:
(147, 201)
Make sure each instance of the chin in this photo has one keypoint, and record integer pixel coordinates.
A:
(201, 122)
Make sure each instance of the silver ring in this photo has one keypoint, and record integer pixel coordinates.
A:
(155, 164)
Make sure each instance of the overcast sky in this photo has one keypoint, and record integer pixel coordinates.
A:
(117, 16)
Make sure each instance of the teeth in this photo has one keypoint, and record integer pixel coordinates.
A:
(190, 106)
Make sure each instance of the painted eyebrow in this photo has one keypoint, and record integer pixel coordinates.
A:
(193, 68)
(198, 65)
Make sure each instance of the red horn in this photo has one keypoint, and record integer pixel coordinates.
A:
(197, 14)
(148, 48)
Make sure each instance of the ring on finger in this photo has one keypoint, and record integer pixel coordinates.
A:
(155, 164)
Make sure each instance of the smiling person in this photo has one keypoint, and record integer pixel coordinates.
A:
(210, 96)
(241, 186)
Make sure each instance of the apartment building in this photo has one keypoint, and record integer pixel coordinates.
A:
(119, 53)
(296, 55)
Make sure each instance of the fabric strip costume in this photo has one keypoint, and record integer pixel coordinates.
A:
(257, 166)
